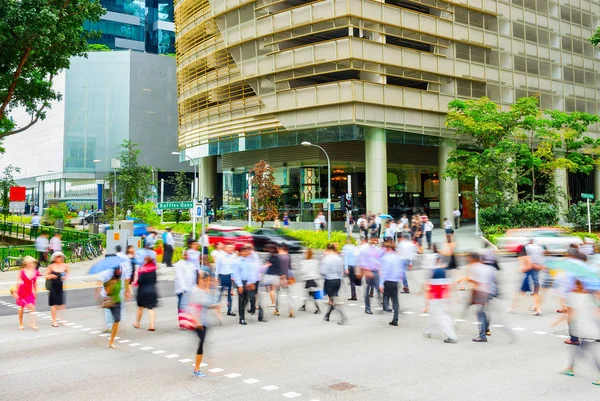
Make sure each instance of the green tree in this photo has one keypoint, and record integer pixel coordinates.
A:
(265, 193)
(96, 47)
(6, 181)
(146, 212)
(37, 40)
(181, 185)
(134, 180)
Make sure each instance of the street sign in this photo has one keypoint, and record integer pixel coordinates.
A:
(318, 200)
(174, 205)
(16, 207)
(198, 210)
(587, 196)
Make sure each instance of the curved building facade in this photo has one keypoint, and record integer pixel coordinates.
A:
(369, 81)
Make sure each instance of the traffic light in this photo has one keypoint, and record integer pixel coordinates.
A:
(209, 204)
(348, 204)
(342, 201)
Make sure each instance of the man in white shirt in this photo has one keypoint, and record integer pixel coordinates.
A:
(35, 224)
(362, 226)
(224, 269)
(456, 214)
(408, 252)
(150, 240)
(41, 246)
(428, 228)
(169, 248)
(482, 277)
(217, 253)
(56, 243)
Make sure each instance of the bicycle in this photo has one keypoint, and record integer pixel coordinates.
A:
(97, 242)
(89, 250)
(76, 252)
(7, 263)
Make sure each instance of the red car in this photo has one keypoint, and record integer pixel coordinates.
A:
(228, 235)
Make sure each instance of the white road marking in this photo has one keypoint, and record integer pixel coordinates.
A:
(47, 317)
(408, 313)
(424, 314)
(35, 313)
(216, 370)
(539, 332)
(203, 365)
(497, 325)
(159, 352)
(86, 329)
(94, 332)
(294, 296)
(351, 304)
(171, 356)
(270, 388)
(518, 329)
(186, 360)
(15, 307)
(459, 320)
(475, 322)
(124, 341)
(251, 381)
(69, 324)
(62, 321)
(104, 335)
(134, 344)
(233, 375)
(77, 327)
(291, 394)
(146, 348)
(562, 336)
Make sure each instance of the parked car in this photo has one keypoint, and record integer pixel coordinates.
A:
(228, 235)
(554, 240)
(265, 236)
(94, 217)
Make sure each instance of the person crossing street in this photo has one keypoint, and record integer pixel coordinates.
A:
(245, 276)
(392, 271)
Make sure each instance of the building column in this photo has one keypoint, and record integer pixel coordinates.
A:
(207, 175)
(562, 185)
(448, 188)
(376, 170)
(596, 183)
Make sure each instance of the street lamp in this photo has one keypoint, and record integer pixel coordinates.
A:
(306, 143)
(98, 161)
(194, 196)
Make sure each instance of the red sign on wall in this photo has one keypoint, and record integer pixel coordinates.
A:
(18, 194)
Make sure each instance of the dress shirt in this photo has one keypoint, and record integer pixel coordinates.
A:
(370, 258)
(245, 269)
(350, 253)
(185, 276)
(35, 221)
(141, 254)
(193, 256)
(225, 264)
(332, 266)
(392, 268)
(407, 250)
(169, 240)
(150, 241)
(55, 244)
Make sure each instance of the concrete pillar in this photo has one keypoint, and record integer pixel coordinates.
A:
(207, 175)
(448, 188)
(376, 170)
(596, 184)
(562, 186)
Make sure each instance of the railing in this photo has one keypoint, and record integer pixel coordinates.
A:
(18, 251)
(29, 233)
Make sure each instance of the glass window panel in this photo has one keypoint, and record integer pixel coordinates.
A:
(568, 74)
(462, 51)
(529, 4)
(232, 18)
(579, 77)
(478, 89)
(543, 37)
(591, 107)
(477, 54)
(463, 88)
(532, 66)
(492, 57)
(580, 105)
(586, 20)
(542, 7)
(491, 23)
(476, 19)
(576, 17)
(546, 101)
(545, 70)
(565, 13)
(520, 93)
(520, 63)
(493, 92)
(569, 105)
(589, 79)
(566, 43)
(248, 50)
(518, 30)
(577, 46)
(461, 15)
(531, 33)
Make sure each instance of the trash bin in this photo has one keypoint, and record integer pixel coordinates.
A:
(93, 228)
(59, 224)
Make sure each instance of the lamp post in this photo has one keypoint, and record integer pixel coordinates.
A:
(97, 161)
(194, 193)
(306, 143)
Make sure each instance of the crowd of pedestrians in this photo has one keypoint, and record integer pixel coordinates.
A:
(379, 265)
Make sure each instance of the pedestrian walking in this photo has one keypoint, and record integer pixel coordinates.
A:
(286, 220)
(309, 270)
(370, 264)
(428, 229)
(350, 254)
(439, 320)
(186, 276)
(456, 214)
(124, 276)
(392, 270)
(25, 292)
(448, 229)
(332, 269)
(224, 270)
(147, 296)
(35, 223)
(112, 301)
(408, 252)
(482, 279)
(272, 277)
(56, 274)
(169, 244)
(286, 279)
(150, 240)
(41, 246)
(55, 243)
(245, 276)
(363, 226)
(132, 262)
(260, 274)
(531, 258)
(217, 253)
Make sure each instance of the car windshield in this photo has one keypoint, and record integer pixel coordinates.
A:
(240, 233)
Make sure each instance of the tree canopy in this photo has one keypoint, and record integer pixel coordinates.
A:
(265, 193)
(37, 40)
(516, 151)
(134, 180)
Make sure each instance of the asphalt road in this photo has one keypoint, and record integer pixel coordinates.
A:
(303, 358)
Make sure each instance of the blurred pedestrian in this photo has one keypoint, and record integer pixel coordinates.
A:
(55, 243)
(428, 229)
(531, 258)
(125, 278)
(186, 276)
(41, 246)
(133, 262)
(147, 296)
(309, 268)
(448, 229)
(482, 279)
(438, 290)
(245, 275)
(332, 269)
(35, 223)
(223, 271)
(350, 253)
(408, 252)
(272, 276)
(169, 244)
(286, 220)
(150, 242)
(260, 270)
(392, 270)
(370, 264)
(287, 279)
(56, 274)
(112, 301)
(26, 290)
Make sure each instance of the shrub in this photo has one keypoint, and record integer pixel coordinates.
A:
(59, 211)
(577, 214)
(146, 213)
(317, 240)
(522, 214)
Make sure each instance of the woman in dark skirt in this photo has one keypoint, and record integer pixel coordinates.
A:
(147, 296)
(56, 274)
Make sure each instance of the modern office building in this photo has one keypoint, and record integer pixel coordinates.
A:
(108, 97)
(369, 81)
(142, 25)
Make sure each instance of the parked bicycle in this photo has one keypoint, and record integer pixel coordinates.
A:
(10, 261)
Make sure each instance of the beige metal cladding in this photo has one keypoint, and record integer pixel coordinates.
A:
(255, 66)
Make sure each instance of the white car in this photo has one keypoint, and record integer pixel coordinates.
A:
(554, 240)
